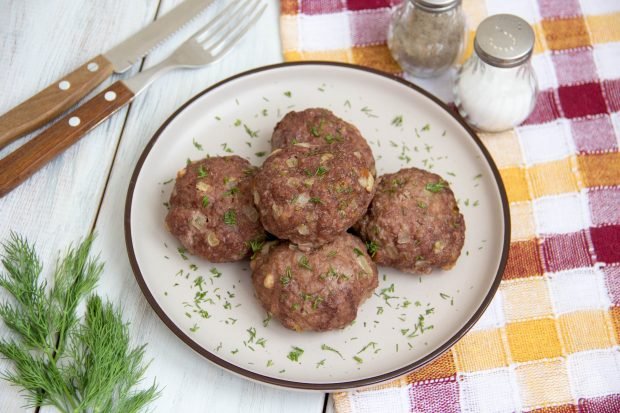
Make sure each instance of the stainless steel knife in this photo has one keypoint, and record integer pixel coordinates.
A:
(65, 92)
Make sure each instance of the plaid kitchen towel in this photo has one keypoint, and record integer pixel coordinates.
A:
(550, 340)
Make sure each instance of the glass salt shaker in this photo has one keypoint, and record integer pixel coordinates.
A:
(426, 36)
(496, 88)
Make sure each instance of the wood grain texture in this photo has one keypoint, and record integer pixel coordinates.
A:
(23, 162)
(59, 205)
(46, 105)
(41, 41)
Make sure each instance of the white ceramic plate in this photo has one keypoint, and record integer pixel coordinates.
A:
(212, 307)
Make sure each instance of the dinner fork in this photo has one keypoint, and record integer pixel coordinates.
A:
(207, 45)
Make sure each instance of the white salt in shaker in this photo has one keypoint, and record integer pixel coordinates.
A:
(496, 88)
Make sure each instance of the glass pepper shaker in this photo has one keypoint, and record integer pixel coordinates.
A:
(496, 88)
(426, 36)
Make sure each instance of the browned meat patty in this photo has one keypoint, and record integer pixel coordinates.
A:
(319, 126)
(317, 290)
(414, 222)
(211, 209)
(310, 194)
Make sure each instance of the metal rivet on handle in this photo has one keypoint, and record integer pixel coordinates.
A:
(93, 67)
(64, 85)
(109, 96)
(74, 121)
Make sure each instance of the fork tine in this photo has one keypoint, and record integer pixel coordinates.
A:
(240, 31)
(241, 14)
(219, 18)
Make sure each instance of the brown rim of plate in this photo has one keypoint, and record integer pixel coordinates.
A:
(294, 384)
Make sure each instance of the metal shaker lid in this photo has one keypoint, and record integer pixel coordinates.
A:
(504, 40)
(435, 6)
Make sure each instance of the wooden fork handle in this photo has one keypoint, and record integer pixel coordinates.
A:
(32, 156)
(53, 100)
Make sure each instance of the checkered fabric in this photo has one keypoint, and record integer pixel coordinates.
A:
(549, 341)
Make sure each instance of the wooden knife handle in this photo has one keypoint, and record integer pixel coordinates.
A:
(53, 100)
(32, 156)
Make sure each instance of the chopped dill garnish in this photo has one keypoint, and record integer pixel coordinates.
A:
(316, 200)
(230, 217)
(250, 132)
(304, 263)
(325, 347)
(329, 138)
(372, 248)
(294, 354)
(368, 112)
(182, 251)
(357, 252)
(288, 94)
(317, 300)
(371, 344)
(205, 201)
(252, 332)
(436, 187)
(397, 121)
(359, 360)
(196, 144)
(256, 245)
(287, 277)
(232, 191)
(237, 122)
(202, 173)
(426, 127)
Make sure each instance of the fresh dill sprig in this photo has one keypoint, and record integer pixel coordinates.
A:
(58, 361)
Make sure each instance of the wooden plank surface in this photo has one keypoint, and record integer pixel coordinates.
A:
(60, 204)
(39, 42)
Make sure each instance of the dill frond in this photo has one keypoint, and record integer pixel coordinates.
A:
(58, 361)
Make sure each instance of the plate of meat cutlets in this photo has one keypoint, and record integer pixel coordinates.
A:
(317, 226)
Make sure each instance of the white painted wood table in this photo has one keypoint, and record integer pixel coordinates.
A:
(85, 188)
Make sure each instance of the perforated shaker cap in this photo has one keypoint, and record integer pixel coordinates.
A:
(504, 40)
(436, 6)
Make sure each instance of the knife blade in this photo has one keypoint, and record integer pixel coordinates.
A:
(65, 92)
(127, 53)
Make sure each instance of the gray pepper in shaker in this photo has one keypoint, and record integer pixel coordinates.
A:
(426, 36)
